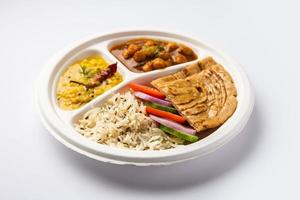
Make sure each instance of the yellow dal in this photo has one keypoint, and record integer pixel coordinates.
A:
(72, 95)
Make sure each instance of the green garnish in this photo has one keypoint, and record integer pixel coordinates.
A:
(88, 73)
(158, 50)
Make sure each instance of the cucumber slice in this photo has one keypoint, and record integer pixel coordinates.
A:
(184, 136)
(161, 107)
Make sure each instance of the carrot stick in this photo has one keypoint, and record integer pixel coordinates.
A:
(168, 115)
(148, 90)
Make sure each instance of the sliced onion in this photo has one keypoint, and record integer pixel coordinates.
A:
(173, 125)
(147, 97)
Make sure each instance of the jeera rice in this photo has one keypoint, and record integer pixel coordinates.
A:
(122, 122)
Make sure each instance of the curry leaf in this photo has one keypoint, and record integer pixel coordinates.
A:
(158, 50)
(88, 73)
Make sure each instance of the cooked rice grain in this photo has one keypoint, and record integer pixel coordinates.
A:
(122, 122)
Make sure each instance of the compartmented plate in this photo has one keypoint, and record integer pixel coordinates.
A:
(61, 122)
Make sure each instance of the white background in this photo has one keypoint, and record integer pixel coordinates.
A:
(261, 163)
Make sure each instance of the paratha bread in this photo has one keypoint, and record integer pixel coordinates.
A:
(203, 93)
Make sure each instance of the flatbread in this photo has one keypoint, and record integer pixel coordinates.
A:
(203, 93)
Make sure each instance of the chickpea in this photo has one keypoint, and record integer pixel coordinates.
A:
(185, 50)
(126, 54)
(171, 46)
(168, 62)
(149, 43)
(179, 58)
(132, 48)
(147, 67)
(139, 56)
(164, 55)
(158, 63)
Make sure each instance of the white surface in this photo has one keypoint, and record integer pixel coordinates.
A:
(261, 163)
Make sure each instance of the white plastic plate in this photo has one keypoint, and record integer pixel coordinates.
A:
(60, 122)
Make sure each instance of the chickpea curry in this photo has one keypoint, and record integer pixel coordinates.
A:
(143, 55)
(84, 80)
